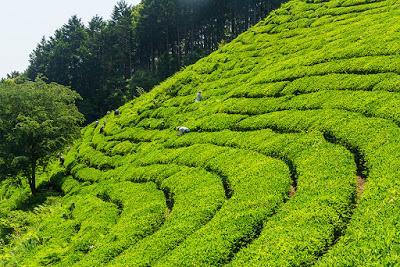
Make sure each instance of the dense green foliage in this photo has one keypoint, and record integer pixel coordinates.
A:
(297, 114)
(110, 62)
(36, 121)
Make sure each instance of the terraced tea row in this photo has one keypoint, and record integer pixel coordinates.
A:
(276, 152)
(241, 210)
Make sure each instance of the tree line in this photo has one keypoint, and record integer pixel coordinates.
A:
(111, 61)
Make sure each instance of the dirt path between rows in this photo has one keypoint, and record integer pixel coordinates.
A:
(360, 186)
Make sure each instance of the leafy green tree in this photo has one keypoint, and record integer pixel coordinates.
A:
(93, 91)
(62, 58)
(37, 120)
(39, 59)
(118, 56)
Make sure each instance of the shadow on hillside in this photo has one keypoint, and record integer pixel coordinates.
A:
(45, 191)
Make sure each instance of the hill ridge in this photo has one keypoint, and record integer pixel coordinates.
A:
(295, 112)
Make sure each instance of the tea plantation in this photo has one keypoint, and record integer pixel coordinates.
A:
(293, 157)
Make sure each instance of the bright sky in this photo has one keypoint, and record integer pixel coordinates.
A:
(24, 22)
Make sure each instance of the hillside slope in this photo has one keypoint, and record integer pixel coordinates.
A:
(298, 113)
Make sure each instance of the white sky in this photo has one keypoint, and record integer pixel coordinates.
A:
(24, 22)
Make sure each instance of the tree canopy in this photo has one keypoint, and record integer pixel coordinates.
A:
(36, 121)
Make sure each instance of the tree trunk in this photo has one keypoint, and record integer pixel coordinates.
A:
(178, 45)
(32, 179)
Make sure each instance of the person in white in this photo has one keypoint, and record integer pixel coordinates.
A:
(182, 130)
(199, 97)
